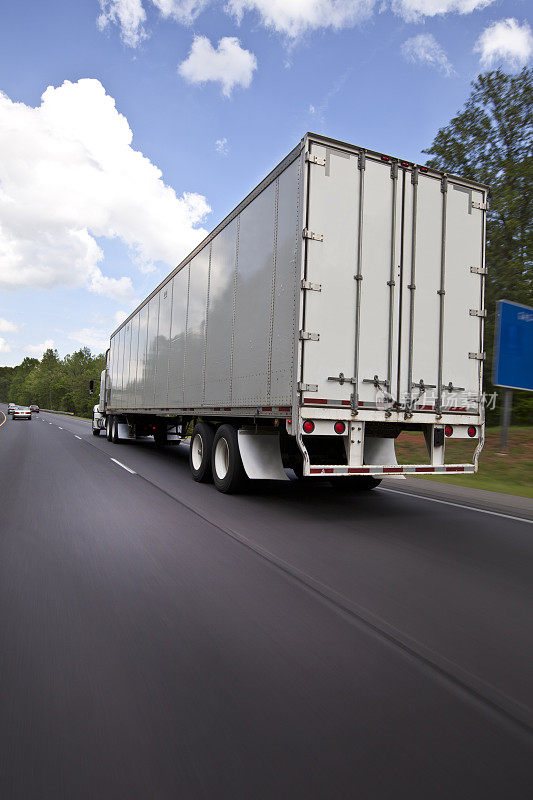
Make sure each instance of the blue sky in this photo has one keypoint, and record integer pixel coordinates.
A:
(214, 93)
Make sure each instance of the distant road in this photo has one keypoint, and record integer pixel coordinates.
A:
(161, 640)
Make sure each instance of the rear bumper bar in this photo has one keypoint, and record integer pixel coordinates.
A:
(381, 471)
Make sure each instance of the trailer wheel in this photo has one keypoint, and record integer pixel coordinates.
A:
(109, 427)
(114, 433)
(200, 452)
(160, 436)
(228, 472)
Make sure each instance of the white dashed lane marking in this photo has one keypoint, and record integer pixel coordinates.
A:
(124, 466)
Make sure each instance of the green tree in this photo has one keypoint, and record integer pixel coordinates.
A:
(59, 384)
(491, 140)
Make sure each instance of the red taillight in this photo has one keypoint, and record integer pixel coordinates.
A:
(308, 426)
(385, 158)
(339, 427)
(153, 428)
(471, 430)
(448, 430)
(405, 164)
(423, 169)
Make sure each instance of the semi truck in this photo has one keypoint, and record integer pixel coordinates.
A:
(340, 304)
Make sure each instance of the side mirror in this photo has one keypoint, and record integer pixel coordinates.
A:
(91, 387)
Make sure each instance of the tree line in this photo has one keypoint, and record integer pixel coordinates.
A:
(61, 384)
(491, 141)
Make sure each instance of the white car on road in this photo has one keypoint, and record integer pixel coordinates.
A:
(22, 413)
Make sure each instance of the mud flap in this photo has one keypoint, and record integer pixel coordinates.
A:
(379, 450)
(261, 455)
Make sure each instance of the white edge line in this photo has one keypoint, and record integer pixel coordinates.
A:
(459, 505)
(124, 466)
(77, 437)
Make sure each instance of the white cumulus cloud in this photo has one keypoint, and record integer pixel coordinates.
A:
(120, 316)
(424, 49)
(68, 174)
(506, 41)
(221, 146)
(95, 338)
(416, 10)
(184, 11)
(39, 349)
(4, 347)
(129, 15)
(7, 327)
(229, 64)
(295, 17)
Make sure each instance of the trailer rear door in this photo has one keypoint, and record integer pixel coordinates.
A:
(392, 310)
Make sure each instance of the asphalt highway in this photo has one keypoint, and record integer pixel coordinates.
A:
(161, 640)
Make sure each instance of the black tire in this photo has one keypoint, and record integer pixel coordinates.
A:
(109, 428)
(356, 484)
(200, 452)
(226, 463)
(160, 436)
(114, 434)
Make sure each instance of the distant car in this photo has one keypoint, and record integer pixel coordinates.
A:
(35, 409)
(21, 412)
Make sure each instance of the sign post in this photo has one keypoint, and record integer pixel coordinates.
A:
(513, 356)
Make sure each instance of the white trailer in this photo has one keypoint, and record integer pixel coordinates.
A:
(341, 303)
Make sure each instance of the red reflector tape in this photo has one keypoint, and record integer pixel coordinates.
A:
(315, 401)
(392, 469)
(454, 469)
(424, 469)
(358, 470)
(267, 408)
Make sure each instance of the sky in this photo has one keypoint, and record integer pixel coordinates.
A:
(130, 128)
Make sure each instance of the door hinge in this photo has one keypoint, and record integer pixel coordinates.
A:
(311, 287)
(317, 237)
(308, 387)
(477, 356)
(311, 159)
(475, 312)
(480, 206)
(479, 271)
(306, 336)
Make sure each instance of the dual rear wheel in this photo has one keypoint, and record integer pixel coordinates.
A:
(112, 430)
(214, 456)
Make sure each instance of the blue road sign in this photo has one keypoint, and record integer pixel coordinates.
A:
(513, 346)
